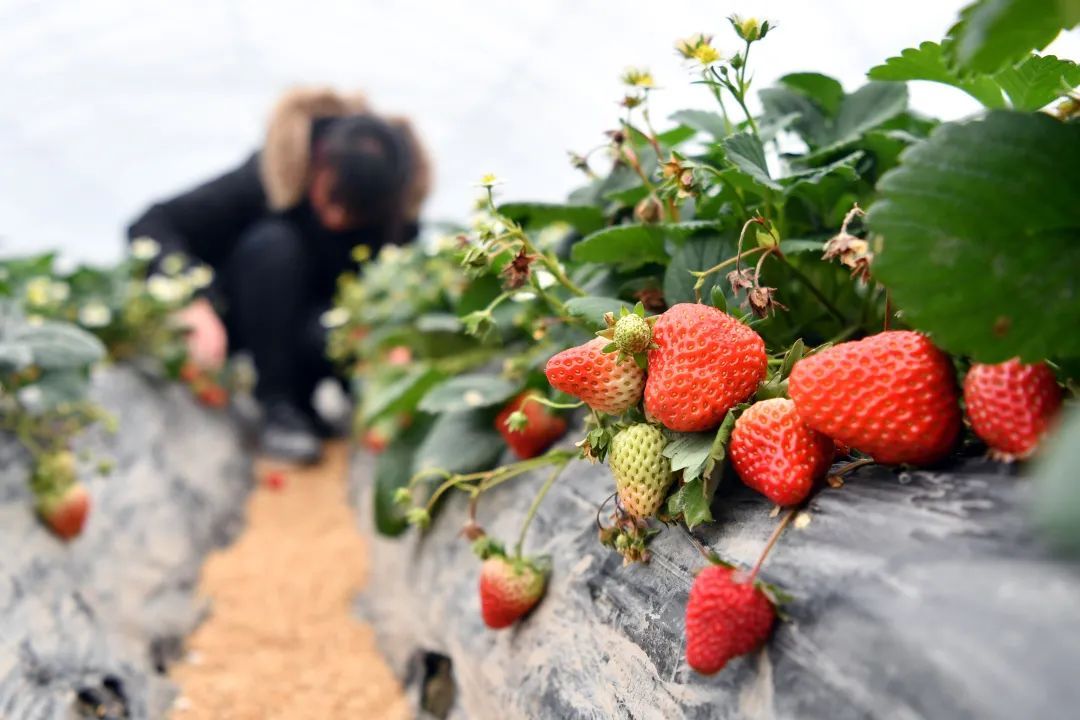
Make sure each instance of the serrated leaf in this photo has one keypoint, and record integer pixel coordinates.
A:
(811, 121)
(927, 62)
(583, 218)
(460, 442)
(15, 356)
(688, 452)
(799, 245)
(466, 392)
(745, 151)
(825, 91)
(696, 254)
(981, 236)
(693, 502)
(867, 108)
(634, 245)
(593, 308)
(992, 34)
(1037, 81)
(723, 433)
(400, 395)
(59, 346)
(702, 120)
(54, 388)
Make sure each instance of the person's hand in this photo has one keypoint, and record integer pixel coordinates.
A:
(206, 340)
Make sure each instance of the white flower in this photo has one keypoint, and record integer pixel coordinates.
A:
(167, 290)
(145, 248)
(59, 291)
(38, 291)
(200, 276)
(30, 396)
(335, 317)
(173, 263)
(95, 315)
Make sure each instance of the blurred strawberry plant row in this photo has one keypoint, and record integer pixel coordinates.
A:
(765, 282)
(55, 327)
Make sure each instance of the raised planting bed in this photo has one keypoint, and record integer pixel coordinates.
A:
(94, 622)
(915, 594)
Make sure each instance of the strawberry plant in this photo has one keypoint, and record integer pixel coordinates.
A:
(759, 288)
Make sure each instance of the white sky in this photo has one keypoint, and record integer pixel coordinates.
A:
(113, 103)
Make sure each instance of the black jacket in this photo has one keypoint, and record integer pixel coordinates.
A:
(207, 222)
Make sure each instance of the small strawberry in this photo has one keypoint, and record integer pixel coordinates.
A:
(776, 454)
(375, 439)
(727, 616)
(528, 427)
(1011, 405)
(892, 396)
(642, 473)
(399, 355)
(190, 372)
(704, 364)
(65, 511)
(213, 395)
(590, 374)
(509, 587)
(275, 480)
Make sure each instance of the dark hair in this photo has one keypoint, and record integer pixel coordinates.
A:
(370, 160)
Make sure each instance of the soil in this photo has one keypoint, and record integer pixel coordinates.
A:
(281, 640)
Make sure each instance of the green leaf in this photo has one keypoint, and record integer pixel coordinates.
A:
(693, 502)
(811, 120)
(696, 254)
(981, 236)
(717, 299)
(466, 392)
(460, 442)
(593, 308)
(927, 62)
(793, 355)
(399, 395)
(797, 246)
(746, 153)
(54, 388)
(583, 218)
(1038, 81)
(438, 322)
(393, 470)
(1057, 494)
(633, 245)
(15, 356)
(825, 91)
(59, 346)
(992, 34)
(702, 120)
(865, 109)
(688, 452)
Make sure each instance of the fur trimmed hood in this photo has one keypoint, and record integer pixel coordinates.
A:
(285, 162)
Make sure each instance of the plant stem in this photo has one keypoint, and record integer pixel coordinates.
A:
(772, 541)
(557, 406)
(536, 506)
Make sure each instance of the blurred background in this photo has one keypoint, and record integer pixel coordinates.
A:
(111, 104)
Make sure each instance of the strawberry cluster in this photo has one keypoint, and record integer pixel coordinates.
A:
(892, 397)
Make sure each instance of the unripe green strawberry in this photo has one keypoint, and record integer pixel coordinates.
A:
(633, 334)
(598, 378)
(1011, 405)
(705, 363)
(642, 473)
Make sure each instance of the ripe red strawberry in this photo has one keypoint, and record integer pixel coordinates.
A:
(706, 362)
(65, 511)
(275, 480)
(376, 440)
(213, 395)
(726, 616)
(642, 473)
(590, 374)
(190, 372)
(540, 429)
(775, 452)
(892, 396)
(1011, 405)
(509, 587)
